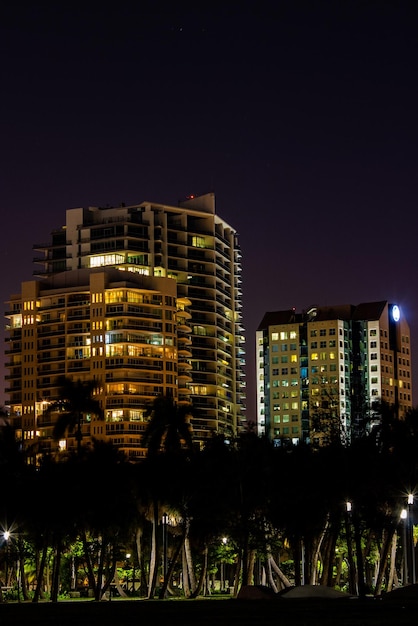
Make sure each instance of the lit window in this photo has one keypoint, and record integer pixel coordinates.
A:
(198, 242)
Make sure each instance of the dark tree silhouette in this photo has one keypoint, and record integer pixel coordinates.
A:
(168, 428)
(76, 399)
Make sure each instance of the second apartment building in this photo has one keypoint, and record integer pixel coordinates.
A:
(320, 372)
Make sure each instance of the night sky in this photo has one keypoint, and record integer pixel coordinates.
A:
(302, 117)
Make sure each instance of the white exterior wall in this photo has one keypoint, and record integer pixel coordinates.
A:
(259, 364)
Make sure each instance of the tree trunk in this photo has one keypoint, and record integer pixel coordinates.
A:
(297, 561)
(119, 587)
(153, 569)
(245, 577)
(171, 568)
(143, 578)
(270, 575)
(237, 574)
(386, 544)
(186, 583)
(329, 555)
(23, 584)
(56, 571)
(392, 569)
(251, 562)
(40, 576)
(189, 562)
(283, 579)
(108, 569)
(101, 556)
(202, 576)
(316, 554)
(361, 584)
(351, 568)
(339, 568)
(90, 570)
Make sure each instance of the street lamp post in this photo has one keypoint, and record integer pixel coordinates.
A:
(164, 522)
(222, 581)
(404, 515)
(351, 568)
(6, 536)
(411, 544)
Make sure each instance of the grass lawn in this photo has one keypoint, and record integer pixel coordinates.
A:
(204, 612)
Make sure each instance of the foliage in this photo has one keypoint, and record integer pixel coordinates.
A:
(243, 511)
(75, 400)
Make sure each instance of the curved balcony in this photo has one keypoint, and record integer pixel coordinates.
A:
(183, 378)
(183, 328)
(184, 341)
(184, 352)
(184, 365)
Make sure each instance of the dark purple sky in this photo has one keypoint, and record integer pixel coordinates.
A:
(302, 117)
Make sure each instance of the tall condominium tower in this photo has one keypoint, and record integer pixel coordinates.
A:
(145, 300)
(320, 373)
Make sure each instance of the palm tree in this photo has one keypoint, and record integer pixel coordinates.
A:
(75, 401)
(167, 437)
(168, 428)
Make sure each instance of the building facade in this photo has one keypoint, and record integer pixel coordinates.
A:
(321, 372)
(115, 269)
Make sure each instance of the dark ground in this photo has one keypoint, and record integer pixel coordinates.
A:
(229, 612)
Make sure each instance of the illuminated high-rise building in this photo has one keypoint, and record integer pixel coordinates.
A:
(321, 373)
(145, 300)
